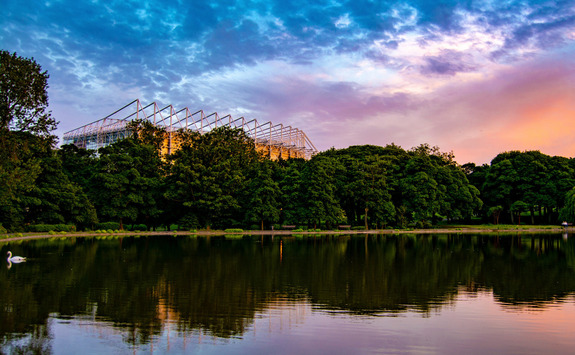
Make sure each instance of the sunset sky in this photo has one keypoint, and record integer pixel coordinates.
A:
(473, 77)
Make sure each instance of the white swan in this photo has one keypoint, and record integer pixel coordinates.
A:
(15, 259)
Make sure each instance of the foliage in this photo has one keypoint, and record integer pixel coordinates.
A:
(538, 181)
(24, 96)
(290, 187)
(209, 174)
(495, 212)
(108, 225)
(51, 227)
(20, 166)
(568, 211)
(126, 182)
(234, 230)
(263, 193)
(137, 227)
(319, 192)
(55, 199)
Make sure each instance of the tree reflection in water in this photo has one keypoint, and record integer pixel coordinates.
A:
(215, 286)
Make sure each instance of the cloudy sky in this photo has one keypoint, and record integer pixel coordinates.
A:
(473, 77)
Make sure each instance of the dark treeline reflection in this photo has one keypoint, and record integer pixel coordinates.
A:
(217, 285)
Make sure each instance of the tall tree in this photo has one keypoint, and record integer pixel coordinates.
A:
(372, 197)
(568, 211)
(126, 182)
(321, 203)
(538, 180)
(24, 132)
(209, 174)
(292, 202)
(56, 199)
(20, 166)
(263, 205)
(24, 96)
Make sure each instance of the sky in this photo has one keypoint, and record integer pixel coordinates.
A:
(473, 77)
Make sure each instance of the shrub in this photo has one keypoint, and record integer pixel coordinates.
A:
(234, 230)
(189, 221)
(51, 227)
(108, 226)
(3, 230)
(137, 227)
(422, 224)
(297, 230)
(358, 228)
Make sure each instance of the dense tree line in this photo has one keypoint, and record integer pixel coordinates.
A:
(219, 179)
(526, 183)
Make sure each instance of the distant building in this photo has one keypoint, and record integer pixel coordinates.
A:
(274, 140)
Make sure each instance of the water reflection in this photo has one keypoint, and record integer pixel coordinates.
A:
(218, 288)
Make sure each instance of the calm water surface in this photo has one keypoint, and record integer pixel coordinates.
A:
(432, 294)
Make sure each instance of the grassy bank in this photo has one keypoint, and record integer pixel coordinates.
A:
(441, 229)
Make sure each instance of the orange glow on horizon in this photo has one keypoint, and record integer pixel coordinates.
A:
(544, 125)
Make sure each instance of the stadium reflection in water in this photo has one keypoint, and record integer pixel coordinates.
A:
(315, 294)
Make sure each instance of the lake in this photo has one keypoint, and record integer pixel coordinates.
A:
(336, 294)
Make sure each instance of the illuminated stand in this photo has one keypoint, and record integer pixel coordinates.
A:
(274, 140)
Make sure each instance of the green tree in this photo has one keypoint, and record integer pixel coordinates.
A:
(568, 211)
(209, 175)
(517, 208)
(420, 193)
(19, 168)
(23, 96)
(499, 188)
(367, 178)
(55, 199)
(292, 210)
(538, 180)
(495, 212)
(459, 199)
(127, 182)
(263, 205)
(319, 186)
(78, 164)
(560, 180)
(371, 191)
(24, 133)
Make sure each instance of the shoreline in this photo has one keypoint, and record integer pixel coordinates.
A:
(466, 230)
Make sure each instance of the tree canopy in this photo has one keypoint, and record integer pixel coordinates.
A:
(527, 181)
(24, 96)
